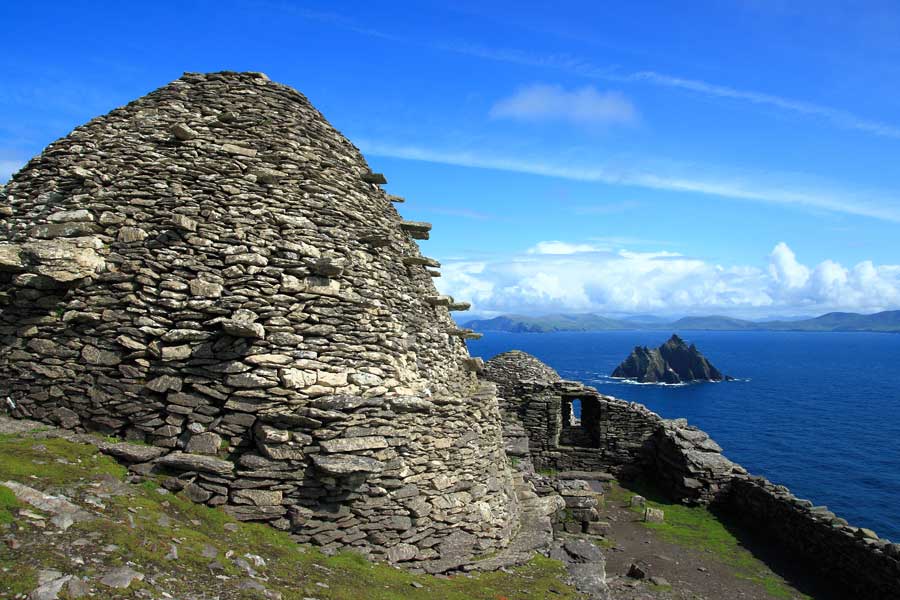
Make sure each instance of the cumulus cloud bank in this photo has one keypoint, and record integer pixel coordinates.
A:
(556, 276)
(585, 105)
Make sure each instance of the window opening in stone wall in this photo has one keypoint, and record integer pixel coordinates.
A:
(579, 422)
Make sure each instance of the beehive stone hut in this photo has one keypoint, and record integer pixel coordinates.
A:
(214, 270)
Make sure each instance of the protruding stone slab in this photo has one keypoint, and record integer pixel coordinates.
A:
(459, 306)
(376, 178)
(466, 334)
(418, 230)
(439, 300)
(421, 260)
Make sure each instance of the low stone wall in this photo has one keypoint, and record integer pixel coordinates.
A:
(612, 435)
(854, 559)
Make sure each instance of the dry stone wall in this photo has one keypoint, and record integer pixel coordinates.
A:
(214, 270)
(626, 438)
(854, 559)
(612, 435)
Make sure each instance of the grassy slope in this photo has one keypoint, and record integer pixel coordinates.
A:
(141, 525)
(696, 527)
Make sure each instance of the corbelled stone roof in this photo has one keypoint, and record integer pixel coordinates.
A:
(509, 368)
(244, 196)
(213, 269)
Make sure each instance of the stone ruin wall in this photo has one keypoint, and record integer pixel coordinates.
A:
(855, 559)
(688, 465)
(213, 270)
(615, 436)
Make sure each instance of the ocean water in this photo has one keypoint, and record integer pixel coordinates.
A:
(817, 412)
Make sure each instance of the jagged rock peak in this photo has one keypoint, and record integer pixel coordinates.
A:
(673, 362)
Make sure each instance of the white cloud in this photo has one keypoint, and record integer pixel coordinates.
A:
(887, 209)
(664, 282)
(557, 247)
(585, 105)
(838, 117)
(786, 272)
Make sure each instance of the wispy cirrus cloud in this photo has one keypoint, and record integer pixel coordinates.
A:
(584, 68)
(841, 118)
(586, 105)
(571, 64)
(743, 189)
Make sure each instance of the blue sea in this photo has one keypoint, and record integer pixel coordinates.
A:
(817, 412)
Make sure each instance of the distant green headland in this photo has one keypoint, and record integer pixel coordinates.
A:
(887, 321)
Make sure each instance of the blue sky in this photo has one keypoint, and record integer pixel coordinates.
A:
(735, 157)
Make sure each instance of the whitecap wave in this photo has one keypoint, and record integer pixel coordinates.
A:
(624, 381)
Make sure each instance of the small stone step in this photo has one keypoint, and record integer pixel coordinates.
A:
(434, 273)
(459, 306)
(418, 230)
(421, 260)
(397, 199)
(466, 334)
(439, 300)
(376, 178)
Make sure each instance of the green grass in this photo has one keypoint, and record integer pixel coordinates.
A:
(52, 462)
(8, 504)
(145, 523)
(697, 528)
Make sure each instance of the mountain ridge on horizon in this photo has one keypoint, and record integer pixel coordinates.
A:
(884, 321)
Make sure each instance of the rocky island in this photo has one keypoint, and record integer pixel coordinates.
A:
(673, 362)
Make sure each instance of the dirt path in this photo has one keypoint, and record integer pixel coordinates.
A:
(674, 571)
